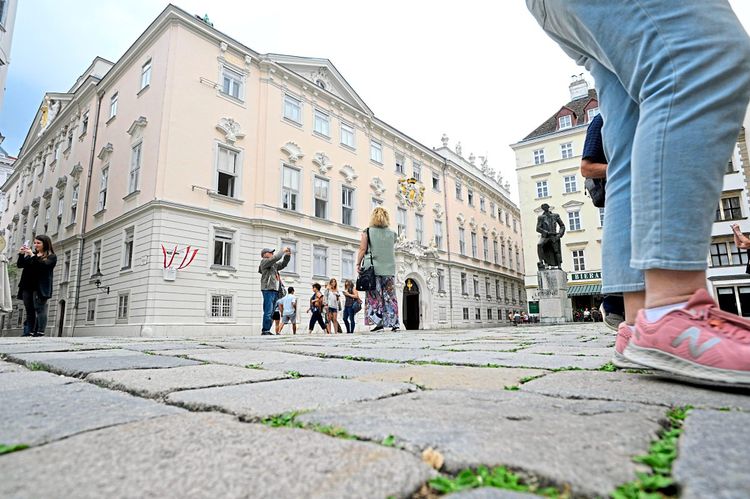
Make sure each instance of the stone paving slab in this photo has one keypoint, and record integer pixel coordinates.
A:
(40, 414)
(24, 379)
(455, 377)
(159, 382)
(10, 367)
(260, 400)
(391, 354)
(31, 347)
(332, 368)
(159, 346)
(641, 388)
(588, 444)
(240, 358)
(584, 349)
(519, 359)
(70, 364)
(210, 455)
(712, 455)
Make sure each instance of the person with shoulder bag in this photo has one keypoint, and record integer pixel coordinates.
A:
(352, 305)
(316, 309)
(377, 256)
(35, 286)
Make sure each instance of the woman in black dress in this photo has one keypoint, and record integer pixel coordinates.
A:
(35, 287)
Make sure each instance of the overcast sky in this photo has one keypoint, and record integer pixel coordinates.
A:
(480, 71)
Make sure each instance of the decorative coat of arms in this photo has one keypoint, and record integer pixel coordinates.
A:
(411, 193)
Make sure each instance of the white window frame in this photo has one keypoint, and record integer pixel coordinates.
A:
(128, 248)
(592, 113)
(493, 209)
(292, 106)
(227, 239)
(348, 136)
(347, 204)
(538, 156)
(231, 152)
(459, 190)
(136, 161)
(291, 267)
(316, 254)
(486, 248)
(570, 183)
(221, 301)
(295, 195)
(67, 261)
(565, 122)
(321, 123)
(464, 284)
(401, 226)
(146, 74)
(574, 220)
(475, 285)
(96, 257)
(102, 200)
(579, 260)
(441, 280)
(375, 202)
(123, 306)
(419, 228)
(113, 102)
(462, 241)
(74, 203)
(566, 150)
(321, 182)
(436, 181)
(376, 151)
(438, 231)
(400, 164)
(474, 244)
(482, 204)
(416, 170)
(347, 264)
(470, 196)
(91, 311)
(236, 79)
(495, 251)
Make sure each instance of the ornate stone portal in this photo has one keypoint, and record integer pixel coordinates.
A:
(554, 304)
(418, 263)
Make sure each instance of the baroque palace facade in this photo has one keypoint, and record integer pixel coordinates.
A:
(161, 176)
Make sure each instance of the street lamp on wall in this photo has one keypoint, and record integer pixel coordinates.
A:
(97, 278)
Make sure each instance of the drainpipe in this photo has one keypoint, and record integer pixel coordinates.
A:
(448, 240)
(82, 239)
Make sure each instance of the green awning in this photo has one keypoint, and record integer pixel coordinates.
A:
(584, 289)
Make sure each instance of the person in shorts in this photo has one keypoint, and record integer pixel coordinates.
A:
(288, 310)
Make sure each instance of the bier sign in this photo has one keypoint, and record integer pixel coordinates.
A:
(585, 276)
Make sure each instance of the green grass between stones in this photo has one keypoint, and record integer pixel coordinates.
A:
(36, 366)
(658, 483)
(7, 449)
(499, 477)
(289, 420)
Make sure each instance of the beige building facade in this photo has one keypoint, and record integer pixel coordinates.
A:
(548, 164)
(161, 176)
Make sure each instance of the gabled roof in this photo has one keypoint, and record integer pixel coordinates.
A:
(55, 104)
(323, 74)
(577, 106)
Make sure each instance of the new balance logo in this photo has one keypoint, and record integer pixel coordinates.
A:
(693, 334)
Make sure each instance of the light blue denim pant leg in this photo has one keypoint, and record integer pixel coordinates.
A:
(687, 66)
(269, 301)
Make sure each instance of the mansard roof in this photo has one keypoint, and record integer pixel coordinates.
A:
(577, 107)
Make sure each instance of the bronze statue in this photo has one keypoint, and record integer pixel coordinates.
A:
(548, 247)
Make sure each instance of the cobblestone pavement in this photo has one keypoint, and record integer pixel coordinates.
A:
(363, 415)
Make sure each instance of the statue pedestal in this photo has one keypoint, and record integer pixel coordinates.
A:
(554, 304)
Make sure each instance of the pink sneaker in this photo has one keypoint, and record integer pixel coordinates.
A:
(700, 342)
(623, 338)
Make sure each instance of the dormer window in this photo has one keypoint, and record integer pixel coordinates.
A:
(591, 113)
(564, 122)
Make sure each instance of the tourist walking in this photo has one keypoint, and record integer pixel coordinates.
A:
(288, 311)
(333, 304)
(376, 249)
(352, 305)
(35, 286)
(316, 309)
(270, 282)
(675, 99)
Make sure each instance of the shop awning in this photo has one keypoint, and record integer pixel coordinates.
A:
(584, 289)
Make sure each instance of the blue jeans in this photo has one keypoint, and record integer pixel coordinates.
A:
(349, 321)
(674, 83)
(269, 301)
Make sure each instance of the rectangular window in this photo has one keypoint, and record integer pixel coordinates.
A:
(291, 267)
(231, 83)
(227, 171)
(538, 156)
(400, 161)
(127, 248)
(495, 251)
(321, 197)
(601, 217)
(376, 151)
(320, 261)
(565, 122)
(91, 310)
(441, 280)
(731, 208)
(146, 74)
(487, 291)
(293, 109)
(475, 282)
(515, 225)
(123, 306)
(438, 234)
(478, 314)
(574, 220)
(579, 263)
(461, 241)
(470, 197)
(60, 209)
(474, 244)
(466, 313)
(591, 113)
(68, 146)
(570, 183)
(135, 168)
(518, 260)
(85, 123)
(497, 288)
(223, 248)
(566, 150)
(290, 188)
(486, 248)
(419, 228)
(482, 204)
(347, 264)
(719, 255)
(321, 123)
(492, 209)
(113, 106)
(401, 221)
(375, 202)
(730, 167)
(542, 189)
(347, 205)
(459, 190)
(464, 291)
(489, 314)
(47, 215)
(347, 135)
(416, 170)
(74, 204)
(221, 307)
(102, 202)
(66, 266)
(510, 257)
(739, 256)
(96, 257)
(436, 181)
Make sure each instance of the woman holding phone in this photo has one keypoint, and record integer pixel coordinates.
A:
(35, 286)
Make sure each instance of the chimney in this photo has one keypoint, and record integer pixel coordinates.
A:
(579, 88)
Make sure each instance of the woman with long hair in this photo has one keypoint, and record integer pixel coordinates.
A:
(376, 249)
(35, 286)
(352, 305)
(332, 300)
